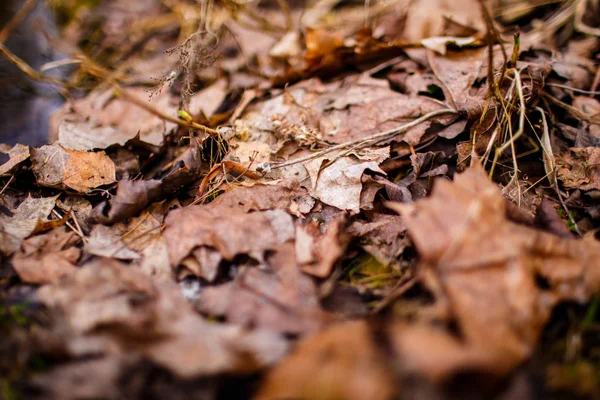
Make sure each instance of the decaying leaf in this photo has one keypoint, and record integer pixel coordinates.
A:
(106, 242)
(340, 184)
(112, 309)
(426, 18)
(262, 197)
(231, 233)
(139, 238)
(55, 166)
(341, 363)
(87, 135)
(488, 269)
(133, 196)
(439, 43)
(101, 120)
(316, 251)
(580, 168)
(48, 257)
(382, 237)
(23, 221)
(18, 154)
(274, 295)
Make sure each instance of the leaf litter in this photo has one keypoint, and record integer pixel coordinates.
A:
(307, 208)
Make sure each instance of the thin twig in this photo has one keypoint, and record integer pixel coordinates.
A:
(564, 206)
(572, 89)
(381, 135)
(17, 19)
(142, 104)
(27, 69)
(570, 109)
(7, 183)
(75, 231)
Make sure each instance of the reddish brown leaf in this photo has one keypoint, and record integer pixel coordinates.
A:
(580, 168)
(487, 268)
(46, 258)
(343, 362)
(81, 171)
(112, 309)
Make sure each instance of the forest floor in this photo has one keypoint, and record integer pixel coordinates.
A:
(326, 200)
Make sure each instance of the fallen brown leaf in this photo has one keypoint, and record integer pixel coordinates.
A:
(23, 221)
(55, 166)
(342, 362)
(274, 296)
(47, 258)
(317, 252)
(101, 120)
(580, 168)
(18, 154)
(134, 196)
(488, 270)
(382, 236)
(229, 231)
(112, 310)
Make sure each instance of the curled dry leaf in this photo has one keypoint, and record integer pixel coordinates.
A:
(17, 155)
(274, 296)
(228, 231)
(340, 184)
(106, 242)
(46, 258)
(440, 43)
(112, 310)
(382, 236)
(488, 269)
(580, 168)
(55, 166)
(317, 252)
(133, 196)
(342, 362)
(29, 217)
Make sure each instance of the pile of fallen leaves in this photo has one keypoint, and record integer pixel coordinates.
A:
(309, 201)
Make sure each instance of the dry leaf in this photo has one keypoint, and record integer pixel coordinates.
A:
(317, 252)
(138, 238)
(427, 18)
(440, 43)
(113, 310)
(340, 184)
(262, 197)
(106, 242)
(580, 168)
(86, 135)
(489, 269)
(100, 120)
(23, 221)
(382, 237)
(134, 196)
(274, 296)
(342, 362)
(55, 166)
(47, 258)
(228, 231)
(18, 154)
